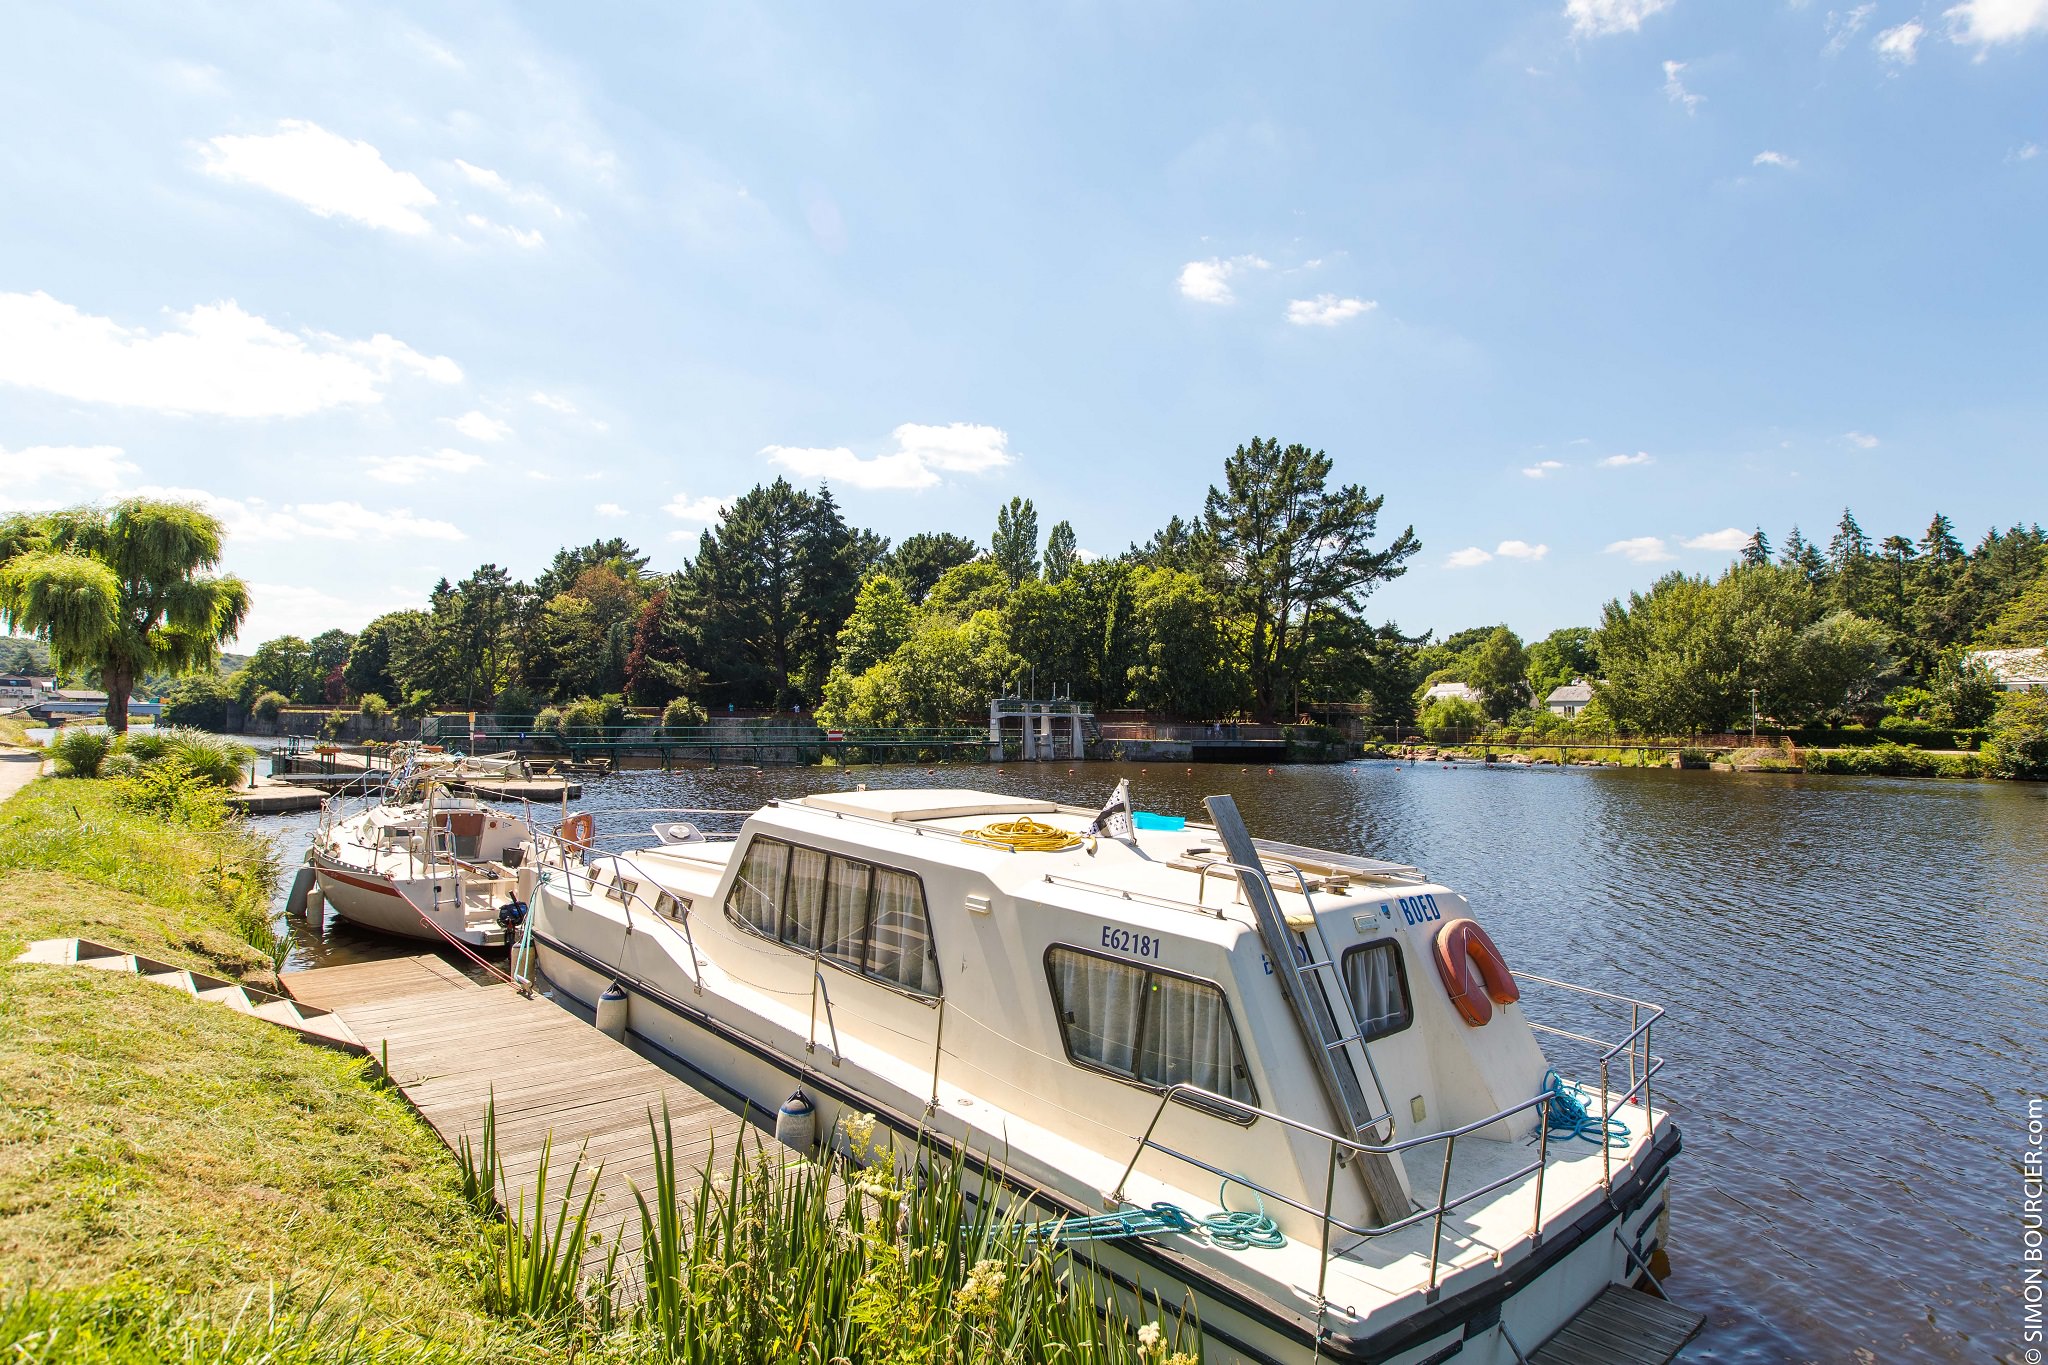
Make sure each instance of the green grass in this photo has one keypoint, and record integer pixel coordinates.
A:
(75, 860)
(147, 1138)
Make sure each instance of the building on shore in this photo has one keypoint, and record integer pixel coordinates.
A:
(2017, 670)
(1567, 701)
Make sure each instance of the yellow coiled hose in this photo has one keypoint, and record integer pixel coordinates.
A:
(1024, 835)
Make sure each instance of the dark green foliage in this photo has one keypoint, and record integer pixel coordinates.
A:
(921, 560)
(200, 701)
(1288, 549)
(1014, 546)
(2018, 743)
(1061, 554)
(767, 593)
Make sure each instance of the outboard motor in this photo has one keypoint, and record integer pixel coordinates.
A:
(511, 915)
(796, 1123)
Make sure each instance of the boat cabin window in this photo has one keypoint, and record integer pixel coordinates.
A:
(853, 914)
(1377, 981)
(621, 889)
(1145, 1025)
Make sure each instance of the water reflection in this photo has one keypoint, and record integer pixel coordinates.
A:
(1853, 968)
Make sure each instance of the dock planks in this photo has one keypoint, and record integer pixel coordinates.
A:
(1622, 1327)
(453, 1046)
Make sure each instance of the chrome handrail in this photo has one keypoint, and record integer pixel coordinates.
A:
(1436, 1213)
(818, 987)
(556, 855)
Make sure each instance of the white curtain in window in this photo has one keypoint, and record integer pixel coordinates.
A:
(846, 912)
(1372, 975)
(756, 895)
(1188, 1038)
(1099, 1000)
(899, 935)
(802, 903)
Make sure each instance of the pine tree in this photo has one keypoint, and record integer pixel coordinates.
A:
(1849, 544)
(1801, 554)
(1758, 548)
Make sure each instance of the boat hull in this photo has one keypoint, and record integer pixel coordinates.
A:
(1530, 1299)
(389, 906)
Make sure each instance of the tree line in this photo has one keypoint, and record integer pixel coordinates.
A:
(1856, 632)
(1253, 604)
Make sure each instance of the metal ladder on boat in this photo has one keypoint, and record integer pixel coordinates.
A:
(1308, 976)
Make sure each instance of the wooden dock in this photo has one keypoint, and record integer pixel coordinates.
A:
(452, 1045)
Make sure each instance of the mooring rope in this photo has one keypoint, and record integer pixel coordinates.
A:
(1023, 835)
(1568, 1117)
(1236, 1229)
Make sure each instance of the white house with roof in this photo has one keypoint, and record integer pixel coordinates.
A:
(1567, 701)
(2017, 670)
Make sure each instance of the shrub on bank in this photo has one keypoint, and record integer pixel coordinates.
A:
(79, 752)
(373, 708)
(590, 717)
(268, 704)
(2018, 742)
(682, 713)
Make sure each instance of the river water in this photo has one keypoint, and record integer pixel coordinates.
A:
(1854, 970)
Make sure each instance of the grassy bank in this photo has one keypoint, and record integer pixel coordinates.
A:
(163, 1159)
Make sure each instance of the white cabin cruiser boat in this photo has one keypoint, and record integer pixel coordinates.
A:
(1181, 1016)
(440, 868)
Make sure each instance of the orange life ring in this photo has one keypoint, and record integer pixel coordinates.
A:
(1461, 945)
(577, 832)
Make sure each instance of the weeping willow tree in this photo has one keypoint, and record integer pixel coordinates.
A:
(121, 591)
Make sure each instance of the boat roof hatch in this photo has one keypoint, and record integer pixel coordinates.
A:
(924, 803)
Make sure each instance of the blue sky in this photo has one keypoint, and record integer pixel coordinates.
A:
(1579, 286)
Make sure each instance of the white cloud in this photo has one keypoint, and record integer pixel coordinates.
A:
(479, 427)
(1468, 558)
(1778, 159)
(552, 402)
(216, 360)
(324, 171)
(1985, 22)
(1520, 549)
(1326, 310)
(1542, 469)
(2027, 151)
(1729, 538)
(514, 194)
(1209, 281)
(1900, 44)
(65, 473)
(921, 455)
(529, 238)
(1674, 88)
(255, 519)
(1596, 18)
(611, 509)
(1641, 549)
(686, 508)
(413, 468)
(1624, 461)
(1844, 25)
(1861, 439)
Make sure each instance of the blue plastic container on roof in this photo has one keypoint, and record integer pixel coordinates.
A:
(1146, 819)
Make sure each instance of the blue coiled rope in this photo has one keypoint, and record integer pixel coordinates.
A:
(1236, 1229)
(1568, 1118)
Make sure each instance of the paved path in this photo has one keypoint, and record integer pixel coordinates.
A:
(18, 768)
